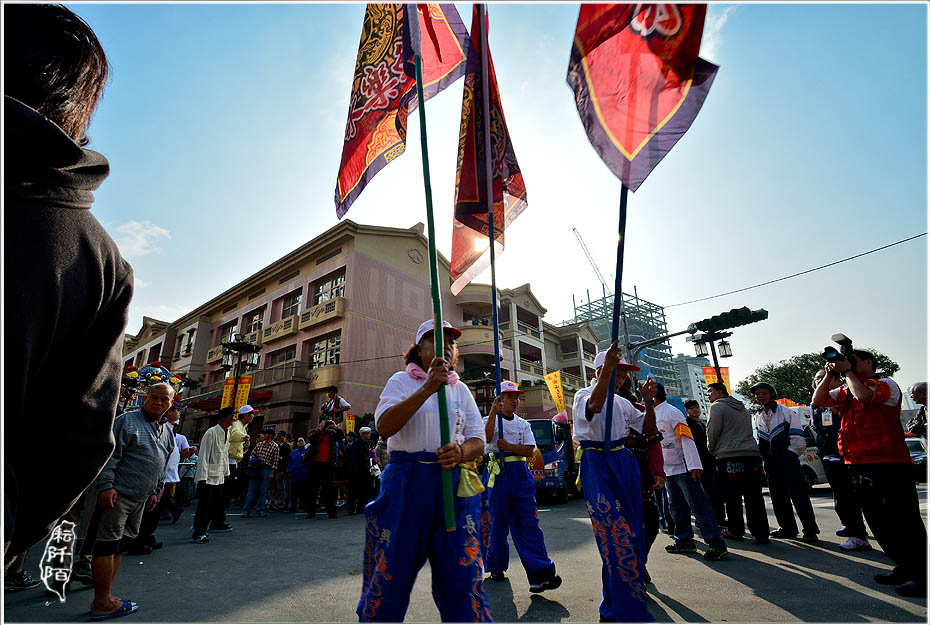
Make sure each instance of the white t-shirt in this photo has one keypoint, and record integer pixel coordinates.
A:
(679, 452)
(625, 415)
(171, 472)
(421, 432)
(517, 431)
(331, 404)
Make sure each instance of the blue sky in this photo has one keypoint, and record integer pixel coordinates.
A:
(224, 124)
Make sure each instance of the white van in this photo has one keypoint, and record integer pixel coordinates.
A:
(811, 466)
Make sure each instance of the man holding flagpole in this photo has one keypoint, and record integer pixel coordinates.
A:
(611, 482)
(512, 495)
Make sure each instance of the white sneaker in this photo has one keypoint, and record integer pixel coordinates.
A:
(856, 544)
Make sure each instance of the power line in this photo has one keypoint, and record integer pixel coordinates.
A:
(800, 273)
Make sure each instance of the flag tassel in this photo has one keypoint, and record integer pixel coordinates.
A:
(438, 341)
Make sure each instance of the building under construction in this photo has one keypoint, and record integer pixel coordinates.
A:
(639, 321)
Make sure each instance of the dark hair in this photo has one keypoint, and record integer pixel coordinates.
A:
(862, 354)
(55, 64)
(719, 386)
(333, 389)
(413, 356)
(660, 392)
(691, 403)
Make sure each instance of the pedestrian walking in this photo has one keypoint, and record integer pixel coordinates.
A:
(710, 480)
(512, 495)
(263, 461)
(405, 524)
(212, 470)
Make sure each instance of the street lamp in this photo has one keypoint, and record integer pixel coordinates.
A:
(700, 349)
(236, 347)
(725, 351)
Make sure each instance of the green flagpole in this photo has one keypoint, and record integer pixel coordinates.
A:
(438, 341)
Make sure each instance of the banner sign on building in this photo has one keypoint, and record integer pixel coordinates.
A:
(554, 382)
(350, 422)
(228, 387)
(710, 376)
(242, 394)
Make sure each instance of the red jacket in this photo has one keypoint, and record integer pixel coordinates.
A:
(872, 433)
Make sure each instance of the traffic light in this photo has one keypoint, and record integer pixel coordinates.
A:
(733, 319)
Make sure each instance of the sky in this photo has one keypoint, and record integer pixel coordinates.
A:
(224, 125)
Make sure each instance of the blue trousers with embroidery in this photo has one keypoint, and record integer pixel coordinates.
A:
(405, 527)
(512, 507)
(611, 484)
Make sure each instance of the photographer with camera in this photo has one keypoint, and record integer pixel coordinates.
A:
(321, 454)
(871, 441)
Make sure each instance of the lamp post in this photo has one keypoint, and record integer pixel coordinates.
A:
(237, 347)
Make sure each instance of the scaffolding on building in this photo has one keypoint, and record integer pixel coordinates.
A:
(640, 321)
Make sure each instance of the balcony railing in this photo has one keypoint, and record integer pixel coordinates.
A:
(528, 329)
(215, 354)
(280, 329)
(323, 311)
(531, 366)
(569, 355)
(323, 377)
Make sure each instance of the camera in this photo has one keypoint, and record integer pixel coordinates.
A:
(831, 354)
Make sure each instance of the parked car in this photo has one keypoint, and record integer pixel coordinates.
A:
(918, 448)
(811, 465)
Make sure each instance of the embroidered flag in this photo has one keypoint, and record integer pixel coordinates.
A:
(638, 81)
(470, 240)
(384, 87)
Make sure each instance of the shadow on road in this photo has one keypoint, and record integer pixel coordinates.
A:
(662, 616)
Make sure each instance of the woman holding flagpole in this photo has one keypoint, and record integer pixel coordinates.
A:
(610, 478)
(404, 524)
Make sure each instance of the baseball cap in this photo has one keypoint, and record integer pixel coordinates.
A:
(510, 387)
(365, 430)
(268, 429)
(622, 365)
(427, 327)
(282, 433)
(178, 405)
(765, 385)
(225, 412)
(246, 409)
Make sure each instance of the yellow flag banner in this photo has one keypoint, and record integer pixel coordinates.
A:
(242, 395)
(350, 423)
(554, 382)
(228, 392)
(710, 376)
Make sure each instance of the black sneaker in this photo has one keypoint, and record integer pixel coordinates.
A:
(681, 548)
(225, 527)
(23, 581)
(549, 584)
(894, 578)
(762, 540)
(713, 554)
(783, 533)
(912, 589)
(139, 550)
(497, 576)
(810, 538)
(843, 532)
(83, 574)
(200, 540)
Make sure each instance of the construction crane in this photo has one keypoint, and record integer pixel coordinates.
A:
(593, 264)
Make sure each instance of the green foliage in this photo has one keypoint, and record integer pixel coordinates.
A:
(792, 378)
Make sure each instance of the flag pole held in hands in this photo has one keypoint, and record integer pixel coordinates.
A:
(489, 190)
(438, 340)
(615, 325)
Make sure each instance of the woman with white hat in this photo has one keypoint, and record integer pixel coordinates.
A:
(404, 524)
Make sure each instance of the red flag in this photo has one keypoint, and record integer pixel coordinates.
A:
(384, 88)
(638, 81)
(470, 230)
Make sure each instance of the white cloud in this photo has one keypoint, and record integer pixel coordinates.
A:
(136, 238)
(710, 46)
(140, 283)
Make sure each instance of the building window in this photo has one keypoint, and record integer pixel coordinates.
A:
(291, 305)
(282, 356)
(190, 342)
(324, 351)
(252, 322)
(328, 287)
(228, 331)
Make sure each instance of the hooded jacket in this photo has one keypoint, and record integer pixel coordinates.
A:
(67, 300)
(729, 430)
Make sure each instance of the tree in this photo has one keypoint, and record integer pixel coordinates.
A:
(792, 378)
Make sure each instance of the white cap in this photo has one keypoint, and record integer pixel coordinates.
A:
(622, 365)
(247, 409)
(510, 387)
(427, 326)
(365, 430)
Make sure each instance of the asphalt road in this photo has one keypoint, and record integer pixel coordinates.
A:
(286, 569)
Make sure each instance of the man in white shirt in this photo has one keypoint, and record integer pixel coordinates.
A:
(212, 469)
(512, 495)
(683, 471)
(781, 442)
(334, 409)
(612, 487)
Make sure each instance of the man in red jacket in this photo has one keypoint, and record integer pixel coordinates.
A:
(871, 441)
